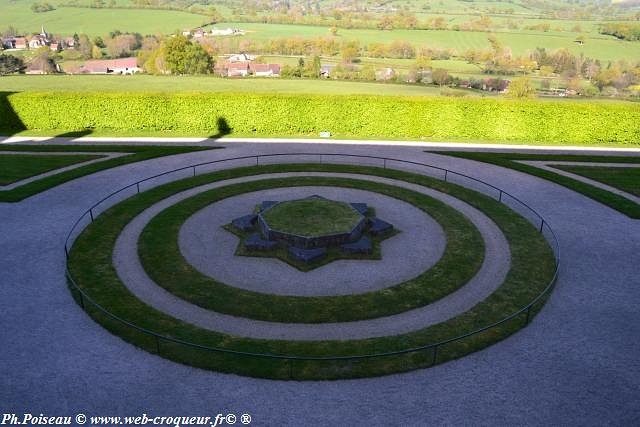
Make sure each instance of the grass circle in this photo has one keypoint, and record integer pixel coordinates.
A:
(161, 258)
(107, 300)
(311, 217)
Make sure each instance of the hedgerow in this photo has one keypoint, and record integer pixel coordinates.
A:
(353, 116)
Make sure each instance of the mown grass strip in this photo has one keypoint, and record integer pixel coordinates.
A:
(161, 257)
(622, 178)
(532, 269)
(137, 154)
(510, 160)
(16, 167)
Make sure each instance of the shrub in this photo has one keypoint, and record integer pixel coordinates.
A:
(353, 116)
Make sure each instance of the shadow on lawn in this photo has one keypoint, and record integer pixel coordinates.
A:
(10, 122)
(223, 128)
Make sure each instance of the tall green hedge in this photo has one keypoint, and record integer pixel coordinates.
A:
(353, 116)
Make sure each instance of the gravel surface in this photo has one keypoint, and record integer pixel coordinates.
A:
(575, 364)
(488, 278)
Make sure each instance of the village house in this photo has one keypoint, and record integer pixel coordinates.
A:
(326, 70)
(237, 69)
(108, 66)
(226, 32)
(265, 70)
(20, 43)
(241, 57)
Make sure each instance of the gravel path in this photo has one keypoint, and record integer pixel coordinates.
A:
(488, 278)
(575, 364)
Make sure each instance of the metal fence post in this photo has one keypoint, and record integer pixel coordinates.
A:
(138, 187)
(194, 171)
(257, 161)
(91, 214)
(541, 225)
(81, 300)
(384, 164)
(446, 172)
(526, 321)
(290, 363)
(500, 197)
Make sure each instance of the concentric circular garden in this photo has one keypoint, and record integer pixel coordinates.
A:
(414, 270)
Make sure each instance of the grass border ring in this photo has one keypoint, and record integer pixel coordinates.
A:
(162, 260)
(96, 287)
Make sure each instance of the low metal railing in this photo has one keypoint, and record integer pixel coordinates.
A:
(445, 174)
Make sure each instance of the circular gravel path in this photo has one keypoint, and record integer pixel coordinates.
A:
(575, 364)
(490, 276)
(210, 249)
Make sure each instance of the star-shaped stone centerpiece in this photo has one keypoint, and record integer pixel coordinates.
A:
(310, 232)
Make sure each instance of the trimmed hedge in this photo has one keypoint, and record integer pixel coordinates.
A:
(353, 116)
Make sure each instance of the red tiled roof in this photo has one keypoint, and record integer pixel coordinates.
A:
(101, 65)
(238, 66)
(265, 68)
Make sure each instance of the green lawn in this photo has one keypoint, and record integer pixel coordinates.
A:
(173, 84)
(614, 201)
(16, 167)
(160, 255)
(625, 179)
(138, 153)
(532, 270)
(94, 22)
(311, 217)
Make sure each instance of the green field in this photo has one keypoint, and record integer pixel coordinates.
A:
(148, 83)
(625, 179)
(605, 48)
(94, 22)
(16, 167)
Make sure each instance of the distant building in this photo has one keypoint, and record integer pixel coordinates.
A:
(326, 70)
(226, 32)
(241, 57)
(20, 43)
(237, 69)
(108, 66)
(265, 70)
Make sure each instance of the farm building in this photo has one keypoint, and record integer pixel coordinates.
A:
(237, 69)
(108, 66)
(265, 70)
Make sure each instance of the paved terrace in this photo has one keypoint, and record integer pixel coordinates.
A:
(576, 363)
